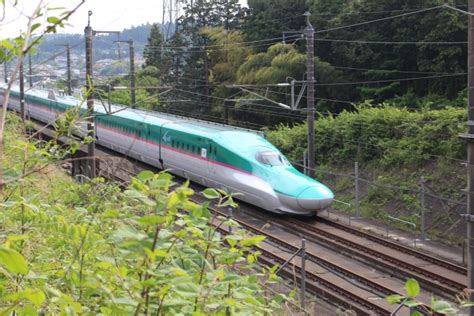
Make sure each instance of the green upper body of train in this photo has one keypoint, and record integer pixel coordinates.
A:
(237, 160)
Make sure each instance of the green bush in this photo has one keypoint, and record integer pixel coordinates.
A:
(389, 135)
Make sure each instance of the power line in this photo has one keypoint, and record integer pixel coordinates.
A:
(396, 71)
(280, 38)
(380, 20)
(389, 42)
(388, 80)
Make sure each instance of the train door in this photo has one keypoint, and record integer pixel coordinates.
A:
(210, 152)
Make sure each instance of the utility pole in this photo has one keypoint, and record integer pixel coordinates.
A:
(68, 61)
(310, 94)
(68, 65)
(132, 71)
(90, 98)
(22, 93)
(470, 155)
(30, 71)
(469, 138)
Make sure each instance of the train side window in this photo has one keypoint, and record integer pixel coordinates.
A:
(172, 143)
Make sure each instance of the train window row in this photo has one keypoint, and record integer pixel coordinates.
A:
(191, 148)
(184, 146)
(124, 128)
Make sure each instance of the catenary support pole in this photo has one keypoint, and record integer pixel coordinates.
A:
(68, 60)
(357, 189)
(303, 274)
(132, 71)
(310, 96)
(88, 33)
(68, 65)
(422, 206)
(470, 158)
(132, 74)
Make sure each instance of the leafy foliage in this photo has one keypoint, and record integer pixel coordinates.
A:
(389, 135)
(368, 62)
(72, 249)
(438, 307)
(270, 18)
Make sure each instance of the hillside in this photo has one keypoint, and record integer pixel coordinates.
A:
(103, 45)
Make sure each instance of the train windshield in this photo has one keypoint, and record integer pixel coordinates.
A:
(271, 158)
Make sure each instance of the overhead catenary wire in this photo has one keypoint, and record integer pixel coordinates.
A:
(379, 20)
(389, 42)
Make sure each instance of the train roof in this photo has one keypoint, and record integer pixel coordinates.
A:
(181, 123)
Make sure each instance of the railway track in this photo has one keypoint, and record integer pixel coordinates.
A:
(323, 278)
(436, 275)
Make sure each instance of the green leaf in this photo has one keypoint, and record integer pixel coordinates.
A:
(252, 241)
(35, 296)
(35, 26)
(412, 303)
(394, 299)
(53, 20)
(145, 175)
(152, 220)
(211, 194)
(442, 307)
(7, 44)
(412, 288)
(187, 290)
(279, 298)
(127, 232)
(125, 301)
(197, 212)
(250, 259)
(13, 261)
(175, 302)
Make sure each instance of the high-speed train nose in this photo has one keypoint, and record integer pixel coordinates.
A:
(315, 198)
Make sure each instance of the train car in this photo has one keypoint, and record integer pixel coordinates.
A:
(214, 155)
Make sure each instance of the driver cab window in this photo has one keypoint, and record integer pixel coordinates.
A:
(271, 158)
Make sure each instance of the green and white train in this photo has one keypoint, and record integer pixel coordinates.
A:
(213, 155)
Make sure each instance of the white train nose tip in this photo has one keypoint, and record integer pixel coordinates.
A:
(315, 198)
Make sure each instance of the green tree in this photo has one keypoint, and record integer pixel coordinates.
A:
(224, 64)
(279, 63)
(266, 20)
(192, 57)
(153, 52)
(386, 61)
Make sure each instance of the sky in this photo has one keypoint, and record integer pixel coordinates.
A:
(108, 15)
